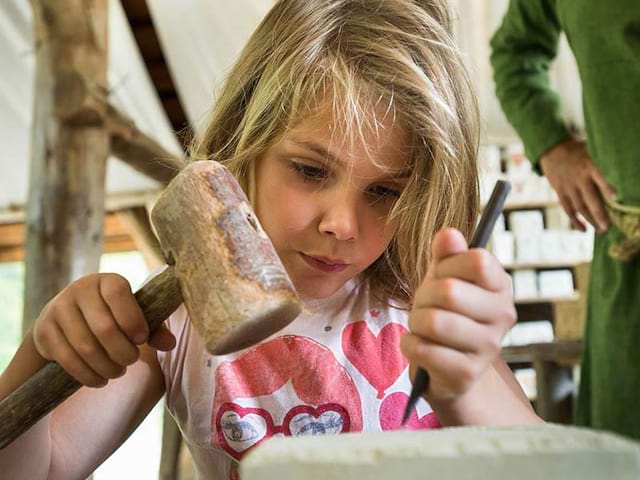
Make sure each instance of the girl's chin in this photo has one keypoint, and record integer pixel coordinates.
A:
(313, 291)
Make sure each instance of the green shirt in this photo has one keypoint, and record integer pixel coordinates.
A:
(605, 38)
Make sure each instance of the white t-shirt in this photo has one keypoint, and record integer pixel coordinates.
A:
(337, 368)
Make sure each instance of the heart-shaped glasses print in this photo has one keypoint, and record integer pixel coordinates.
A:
(241, 428)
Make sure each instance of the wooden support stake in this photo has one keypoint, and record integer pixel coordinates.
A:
(69, 148)
(171, 444)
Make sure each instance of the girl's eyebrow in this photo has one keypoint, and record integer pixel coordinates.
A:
(319, 149)
(324, 152)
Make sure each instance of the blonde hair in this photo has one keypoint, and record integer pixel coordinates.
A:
(397, 53)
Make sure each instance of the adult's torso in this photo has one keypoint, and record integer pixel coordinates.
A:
(605, 39)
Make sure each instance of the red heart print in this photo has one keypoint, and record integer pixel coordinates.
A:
(391, 412)
(377, 358)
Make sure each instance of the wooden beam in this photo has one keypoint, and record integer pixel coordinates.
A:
(151, 50)
(69, 148)
(161, 78)
(136, 221)
(116, 239)
(139, 150)
(148, 41)
(127, 141)
(11, 254)
(113, 202)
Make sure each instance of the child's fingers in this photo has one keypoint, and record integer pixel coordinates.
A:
(454, 331)
(116, 292)
(477, 266)
(446, 242)
(449, 369)
(106, 330)
(69, 359)
(467, 299)
(78, 335)
(162, 339)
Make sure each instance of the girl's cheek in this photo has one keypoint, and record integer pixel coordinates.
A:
(296, 212)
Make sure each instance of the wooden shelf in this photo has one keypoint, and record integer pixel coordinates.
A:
(542, 265)
(566, 352)
(528, 301)
(113, 202)
(116, 239)
(530, 205)
(510, 206)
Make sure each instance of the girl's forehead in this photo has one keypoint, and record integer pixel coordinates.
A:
(372, 133)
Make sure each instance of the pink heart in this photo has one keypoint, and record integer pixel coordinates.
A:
(377, 358)
(391, 412)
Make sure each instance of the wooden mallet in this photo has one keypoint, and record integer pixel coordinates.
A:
(221, 264)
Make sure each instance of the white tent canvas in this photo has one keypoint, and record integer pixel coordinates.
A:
(201, 39)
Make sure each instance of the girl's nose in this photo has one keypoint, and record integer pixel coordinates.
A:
(340, 219)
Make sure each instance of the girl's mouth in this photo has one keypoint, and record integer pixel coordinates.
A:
(324, 264)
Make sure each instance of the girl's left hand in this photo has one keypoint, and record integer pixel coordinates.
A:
(461, 312)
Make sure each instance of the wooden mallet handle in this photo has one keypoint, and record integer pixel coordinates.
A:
(52, 385)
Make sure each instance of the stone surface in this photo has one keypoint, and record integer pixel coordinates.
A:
(468, 453)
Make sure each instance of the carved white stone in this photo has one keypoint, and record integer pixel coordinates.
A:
(548, 452)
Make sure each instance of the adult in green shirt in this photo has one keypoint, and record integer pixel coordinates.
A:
(605, 39)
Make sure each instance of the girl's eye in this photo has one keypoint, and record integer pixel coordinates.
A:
(309, 173)
(384, 193)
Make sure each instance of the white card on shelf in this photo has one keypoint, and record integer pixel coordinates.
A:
(528, 248)
(556, 283)
(503, 246)
(528, 222)
(526, 333)
(525, 284)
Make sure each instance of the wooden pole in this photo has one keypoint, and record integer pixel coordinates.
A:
(69, 148)
(74, 130)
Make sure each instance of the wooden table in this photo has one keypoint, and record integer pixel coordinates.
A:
(553, 363)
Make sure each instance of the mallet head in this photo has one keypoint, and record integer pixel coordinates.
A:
(232, 281)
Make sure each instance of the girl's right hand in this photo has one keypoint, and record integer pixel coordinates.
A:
(93, 328)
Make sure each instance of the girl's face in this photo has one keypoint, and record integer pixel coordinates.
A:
(323, 201)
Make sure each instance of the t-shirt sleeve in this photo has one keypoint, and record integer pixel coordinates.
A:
(171, 362)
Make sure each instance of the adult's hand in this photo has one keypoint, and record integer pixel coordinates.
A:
(580, 186)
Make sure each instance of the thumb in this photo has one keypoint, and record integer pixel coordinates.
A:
(446, 242)
(162, 339)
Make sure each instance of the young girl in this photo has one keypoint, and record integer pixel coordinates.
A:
(352, 128)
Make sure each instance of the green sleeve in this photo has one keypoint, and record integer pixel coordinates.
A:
(522, 50)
